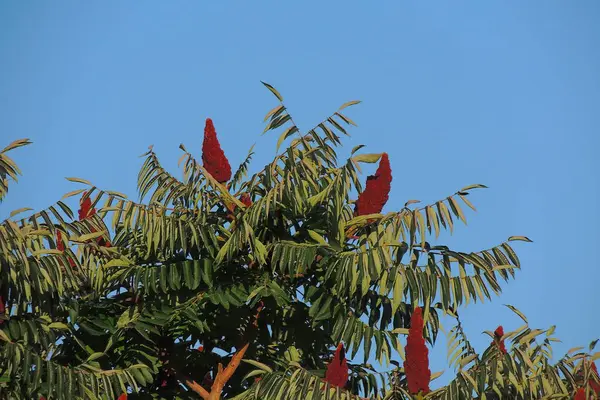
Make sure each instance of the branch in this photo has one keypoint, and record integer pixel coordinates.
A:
(197, 388)
(225, 374)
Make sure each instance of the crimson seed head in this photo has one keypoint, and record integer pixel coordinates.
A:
(416, 365)
(593, 384)
(377, 190)
(213, 157)
(498, 333)
(2, 308)
(86, 209)
(245, 199)
(337, 369)
(580, 395)
(60, 244)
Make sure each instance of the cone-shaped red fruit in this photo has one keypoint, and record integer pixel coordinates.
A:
(60, 246)
(122, 397)
(245, 199)
(580, 395)
(2, 308)
(498, 333)
(85, 208)
(595, 386)
(416, 365)
(207, 381)
(86, 211)
(213, 157)
(377, 190)
(337, 370)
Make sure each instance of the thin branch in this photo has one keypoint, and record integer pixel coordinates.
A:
(225, 374)
(197, 388)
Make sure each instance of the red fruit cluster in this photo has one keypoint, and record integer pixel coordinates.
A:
(207, 381)
(498, 333)
(416, 366)
(2, 308)
(122, 397)
(245, 199)
(377, 190)
(60, 246)
(580, 395)
(594, 385)
(337, 370)
(86, 211)
(213, 157)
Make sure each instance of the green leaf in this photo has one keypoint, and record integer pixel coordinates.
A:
(348, 104)
(436, 375)
(79, 180)
(17, 143)
(73, 193)
(58, 325)
(94, 356)
(275, 110)
(408, 203)
(4, 337)
(286, 134)
(475, 186)
(356, 148)
(367, 158)
(273, 90)
(20, 210)
(257, 364)
(520, 238)
(88, 236)
(317, 238)
(519, 313)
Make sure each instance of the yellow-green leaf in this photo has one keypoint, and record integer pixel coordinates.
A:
(15, 144)
(367, 158)
(20, 210)
(348, 104)
(273, 111)
(58, 325)
(79, 180)
(94, 356)
(316, 237)
(521, 238)
(519, 313)
(475, 186)
(273, 90)
(436, 375)
(257, 364)
(73, 193)
(88, 236)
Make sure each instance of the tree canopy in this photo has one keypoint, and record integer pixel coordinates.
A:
(226, 285)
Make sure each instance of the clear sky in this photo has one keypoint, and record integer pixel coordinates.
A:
(504, 93)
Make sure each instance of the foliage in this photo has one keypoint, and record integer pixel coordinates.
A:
(269, 273)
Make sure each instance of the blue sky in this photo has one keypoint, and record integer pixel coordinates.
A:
(503, 93)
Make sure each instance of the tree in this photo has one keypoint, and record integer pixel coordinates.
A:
(226, 285)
